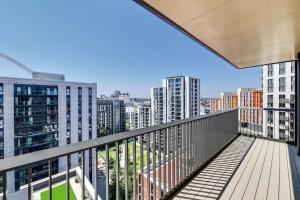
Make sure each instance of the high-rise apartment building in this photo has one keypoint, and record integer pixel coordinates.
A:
(41, 114)
(111, 117)
(139, 116)
(279, 100)
(158, 105)
(229, 100)
(250, 104)
(215, 104)
(182, 97)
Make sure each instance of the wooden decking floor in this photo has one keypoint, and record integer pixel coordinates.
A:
(210, 182)
(262, 169)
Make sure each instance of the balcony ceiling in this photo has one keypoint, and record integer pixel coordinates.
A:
(245, 33)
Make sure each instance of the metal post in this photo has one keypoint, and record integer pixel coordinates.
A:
(107, 172)
(297, 101)
(50, 178)
(29, 181)
(126, 169)
(96, 174)
(117, 172)
(4, 185)
(68, 178)
(134, 167)
(82, 175)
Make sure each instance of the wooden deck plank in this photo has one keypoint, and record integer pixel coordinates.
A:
(284, 183)
(209, 183)
(261, 189)
(245, 176)
(250, 190)
(204, 192)
(270, 170)
(235, 179)
(273, 189)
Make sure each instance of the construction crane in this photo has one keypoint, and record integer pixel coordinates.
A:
(35, 75)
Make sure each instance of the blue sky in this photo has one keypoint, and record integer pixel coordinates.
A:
(115, 43)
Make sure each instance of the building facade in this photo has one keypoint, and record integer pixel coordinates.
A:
(139, 116)
(215, 105)
(41, 114)
(111, 117)
(229, 100)
(279, 100)
(182, 97)
(158, 105)
(250, 104)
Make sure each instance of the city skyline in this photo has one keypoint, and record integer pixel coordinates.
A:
(109, 56)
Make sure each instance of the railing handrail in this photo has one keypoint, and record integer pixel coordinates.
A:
(14, 162)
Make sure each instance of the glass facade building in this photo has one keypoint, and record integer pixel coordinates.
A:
(35, 125)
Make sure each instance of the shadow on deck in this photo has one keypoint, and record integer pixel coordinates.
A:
(248, 169)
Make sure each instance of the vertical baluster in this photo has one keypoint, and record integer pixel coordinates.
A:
(4, 186)
(190, 147)
(141, 167)
(169, 159)
(159, 164)
(68, 178)
(82, 175)
(126, 168)
(183, 165)
(181, 153)
(96, 174)
(177, 146)
(173, 155)
(154, 163)
(29, 181)
(134, 167)
(107, 171)
(164, 160)
(50, 178)
(186, 149)
(117, 172)
(148, 166)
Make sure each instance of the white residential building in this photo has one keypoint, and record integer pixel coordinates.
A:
(139, 116)
(182, 97)
(279, 100)
(158, 105)
(41, 114)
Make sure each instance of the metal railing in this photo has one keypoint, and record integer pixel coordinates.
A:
(152, 161)
(278, 123)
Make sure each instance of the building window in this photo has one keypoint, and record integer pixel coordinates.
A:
(293, 83)
(281, 101)
(282, 84)
(293, 66)
(281, 68)
(270, 70)
(270, 85)
(68, 90)
(281, 118)
(270, 101)
(270, 132)
(79, 114)
(292, 101)
(68, 115)
(270, 117)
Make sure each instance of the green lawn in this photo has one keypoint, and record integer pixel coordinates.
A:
(112, 154)
(58, 193)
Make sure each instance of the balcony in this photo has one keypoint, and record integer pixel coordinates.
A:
(205, 157)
